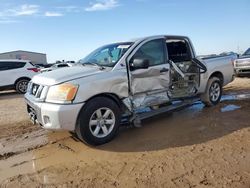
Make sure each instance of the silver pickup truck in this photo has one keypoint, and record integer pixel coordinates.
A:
(242, 64)
(125, 83)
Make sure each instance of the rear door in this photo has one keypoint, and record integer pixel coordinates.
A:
(185, 68)
(149, 86)
(10, 72)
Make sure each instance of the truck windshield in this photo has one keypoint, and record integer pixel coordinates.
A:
(107, 56)
(247, 52)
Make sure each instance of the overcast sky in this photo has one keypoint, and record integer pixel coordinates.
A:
(67, 29)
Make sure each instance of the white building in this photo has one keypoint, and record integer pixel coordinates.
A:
(34, 57)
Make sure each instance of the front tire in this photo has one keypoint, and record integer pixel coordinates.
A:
(98, 121)
(21, 86)
(213, 92)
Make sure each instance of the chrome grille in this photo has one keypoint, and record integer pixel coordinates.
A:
(242, 63)
(35, 89)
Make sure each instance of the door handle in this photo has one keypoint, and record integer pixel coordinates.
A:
(164, 70)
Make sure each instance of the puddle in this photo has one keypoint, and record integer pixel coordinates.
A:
(235, 97)
(230, 107)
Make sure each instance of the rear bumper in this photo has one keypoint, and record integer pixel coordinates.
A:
(54, 116)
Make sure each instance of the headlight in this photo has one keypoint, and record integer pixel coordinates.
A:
(63, 93)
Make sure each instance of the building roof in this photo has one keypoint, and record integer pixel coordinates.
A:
(19, 51)
(14, 60)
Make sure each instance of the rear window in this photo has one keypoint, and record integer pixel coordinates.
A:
(178, 50)
(11, 65)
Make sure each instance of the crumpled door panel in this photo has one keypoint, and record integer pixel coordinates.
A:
(144, 80)
(149, 87)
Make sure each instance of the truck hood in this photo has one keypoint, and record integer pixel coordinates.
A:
(65, 74)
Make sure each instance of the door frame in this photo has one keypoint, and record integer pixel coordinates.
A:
(132, 53)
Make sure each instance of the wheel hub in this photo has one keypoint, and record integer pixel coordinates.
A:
(102, 122)
(215, 91)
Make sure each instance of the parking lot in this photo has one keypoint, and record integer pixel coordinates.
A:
(194, 147)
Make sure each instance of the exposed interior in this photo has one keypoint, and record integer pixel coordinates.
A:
(185, 74)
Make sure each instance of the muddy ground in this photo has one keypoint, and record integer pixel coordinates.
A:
(194, 147)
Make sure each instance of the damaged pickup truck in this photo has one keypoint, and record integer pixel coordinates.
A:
(125, 82)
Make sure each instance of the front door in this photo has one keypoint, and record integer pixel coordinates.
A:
(149, 85)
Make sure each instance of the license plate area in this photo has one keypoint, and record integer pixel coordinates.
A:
(32, 114)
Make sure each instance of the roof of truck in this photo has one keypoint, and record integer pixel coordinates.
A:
(157, 36)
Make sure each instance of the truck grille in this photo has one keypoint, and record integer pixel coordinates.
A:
(35, 89)
(242, 63)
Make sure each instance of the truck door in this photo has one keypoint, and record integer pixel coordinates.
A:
(185, 69)
(149, 74)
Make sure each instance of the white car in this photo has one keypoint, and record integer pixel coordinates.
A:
(56, 66)
(15, 74)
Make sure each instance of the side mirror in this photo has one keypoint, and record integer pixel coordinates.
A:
(138, 64)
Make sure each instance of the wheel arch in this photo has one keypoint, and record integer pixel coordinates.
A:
(219, 75)
(78, 126)
(22, 78)
(111, 96)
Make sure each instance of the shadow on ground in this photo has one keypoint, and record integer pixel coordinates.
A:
(194, 125)
(9, 94)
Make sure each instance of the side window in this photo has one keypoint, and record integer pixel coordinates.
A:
(153, 51)
(17, 65)
(3, 66)
(11, 65)
(62, 65)
(178, 50)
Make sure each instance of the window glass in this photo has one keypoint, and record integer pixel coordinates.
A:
(11, 65)
(247, 52)
(62, 65)
(178, 50)
(107, 55)
(153, 51)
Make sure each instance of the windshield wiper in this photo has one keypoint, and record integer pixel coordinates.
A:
(95, 64)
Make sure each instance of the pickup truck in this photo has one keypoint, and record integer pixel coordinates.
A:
(124, 83)
(242, 64)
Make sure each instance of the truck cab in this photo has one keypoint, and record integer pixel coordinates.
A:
(242, 64)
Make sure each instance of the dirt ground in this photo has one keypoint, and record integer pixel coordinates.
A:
(194, 147)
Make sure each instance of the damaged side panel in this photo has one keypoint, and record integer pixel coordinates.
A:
(151, 79)
(149, 87)
(115, 82)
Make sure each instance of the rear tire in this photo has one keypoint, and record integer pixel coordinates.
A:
(98, 121)
(21, 86)
(213, 92)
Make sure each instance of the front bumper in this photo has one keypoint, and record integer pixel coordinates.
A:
(53, 116)
(242, 70)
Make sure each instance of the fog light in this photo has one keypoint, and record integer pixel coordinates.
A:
(46, 119)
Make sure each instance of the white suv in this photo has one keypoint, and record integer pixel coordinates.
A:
(15, 74)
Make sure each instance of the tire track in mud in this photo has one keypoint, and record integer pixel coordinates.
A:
(214, 154)
(151, 170)
(21, 138)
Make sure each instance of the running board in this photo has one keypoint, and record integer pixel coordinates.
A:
(177, 106)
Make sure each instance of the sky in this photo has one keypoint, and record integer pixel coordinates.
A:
(70, 29)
